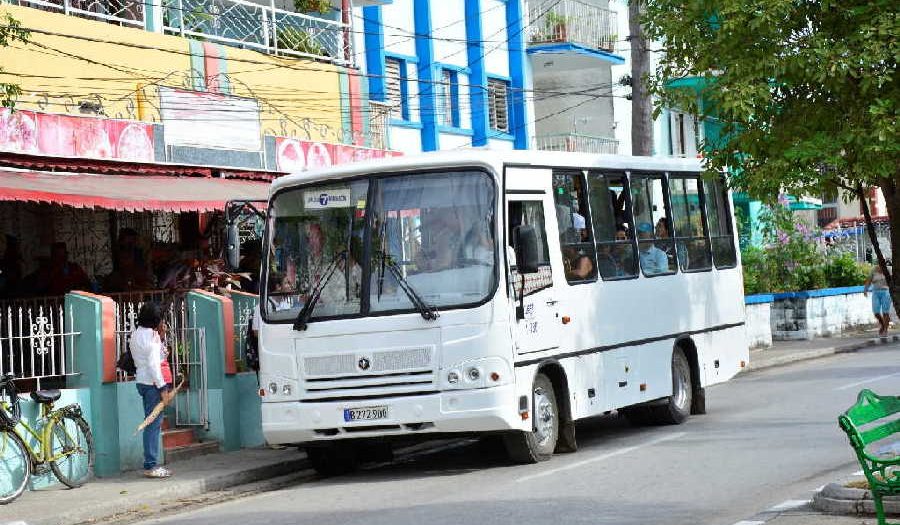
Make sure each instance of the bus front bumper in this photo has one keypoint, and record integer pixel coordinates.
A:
(480, 410)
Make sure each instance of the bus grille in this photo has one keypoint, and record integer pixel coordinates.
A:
(369, 375)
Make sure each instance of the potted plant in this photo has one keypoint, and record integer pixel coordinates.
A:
(312, 6)
(295, 39)
(555, 26)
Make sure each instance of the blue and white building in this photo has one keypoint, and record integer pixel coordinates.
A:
(452, 73)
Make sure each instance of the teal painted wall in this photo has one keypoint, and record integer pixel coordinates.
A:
(250, 410)
(87, 316)
(208, 311)
(130, 415)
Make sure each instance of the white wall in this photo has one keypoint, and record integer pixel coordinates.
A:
(399, 27)
(448, 26)
(493, 27)
(407, 140)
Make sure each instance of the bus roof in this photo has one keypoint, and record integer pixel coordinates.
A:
(490, 158)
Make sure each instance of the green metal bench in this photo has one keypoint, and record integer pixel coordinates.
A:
(874, 420)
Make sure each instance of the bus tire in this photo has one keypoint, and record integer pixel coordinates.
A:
(677, 407)
(539, 444)
(333, 460)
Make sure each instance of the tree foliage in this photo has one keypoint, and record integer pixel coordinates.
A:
(10, 31)
(805, 91)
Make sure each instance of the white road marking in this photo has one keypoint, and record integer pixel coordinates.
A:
(789, 505)
(602, 457)
(872, 380)
(750, 523)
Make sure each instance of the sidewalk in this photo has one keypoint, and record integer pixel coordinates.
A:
(784, 352)
(132, 493)
(220, 475)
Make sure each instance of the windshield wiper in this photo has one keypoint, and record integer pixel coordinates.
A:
(302, 320)
(428, 312)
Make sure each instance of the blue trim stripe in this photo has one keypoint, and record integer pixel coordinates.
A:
(425, 52)
(478, 95)
(824, 292)
(559, 49)
(515, 32)
(373, 27)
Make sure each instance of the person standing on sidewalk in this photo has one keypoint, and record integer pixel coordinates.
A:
(881, 298)
(153, 377)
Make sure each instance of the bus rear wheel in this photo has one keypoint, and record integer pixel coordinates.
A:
(537, 445)
(677, 407)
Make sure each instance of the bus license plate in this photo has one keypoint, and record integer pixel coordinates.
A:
(365, 413)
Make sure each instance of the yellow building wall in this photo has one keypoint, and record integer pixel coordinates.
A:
(69, 60)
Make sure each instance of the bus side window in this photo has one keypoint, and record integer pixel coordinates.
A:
(718, 216)
(690, 237)
(656, 249)
(576, 238)
(613, 227)
(532, 213)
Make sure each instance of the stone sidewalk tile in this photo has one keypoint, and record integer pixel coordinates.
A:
(106, 497)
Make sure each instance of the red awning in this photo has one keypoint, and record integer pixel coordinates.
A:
(127, 192)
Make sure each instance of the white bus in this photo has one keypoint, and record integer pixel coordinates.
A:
(493, 292)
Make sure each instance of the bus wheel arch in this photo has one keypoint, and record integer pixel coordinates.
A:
(698, 400)
(556, 373)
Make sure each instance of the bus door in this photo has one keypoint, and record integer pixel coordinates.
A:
(539, 329)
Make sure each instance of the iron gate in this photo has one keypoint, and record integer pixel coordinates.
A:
(191, 407)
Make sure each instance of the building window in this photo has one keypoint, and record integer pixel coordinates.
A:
(396, 87)
(498, 105)
(448, 99)
(684, 134)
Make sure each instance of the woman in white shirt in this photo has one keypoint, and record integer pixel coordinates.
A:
(153, 377)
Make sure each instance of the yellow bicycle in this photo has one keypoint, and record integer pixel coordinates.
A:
(63, 442)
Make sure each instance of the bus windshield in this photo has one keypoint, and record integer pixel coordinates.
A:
(353, 241)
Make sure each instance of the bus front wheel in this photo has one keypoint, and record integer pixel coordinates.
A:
(537, 445)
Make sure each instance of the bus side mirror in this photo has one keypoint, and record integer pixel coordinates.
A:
(232, 247)
(526, 246)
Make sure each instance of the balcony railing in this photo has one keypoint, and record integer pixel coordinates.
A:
(255, 26)
(232, 22)
(120, 12)
(571, 21)
(576, 142)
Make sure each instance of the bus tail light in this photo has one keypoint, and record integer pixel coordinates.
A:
(523, 407)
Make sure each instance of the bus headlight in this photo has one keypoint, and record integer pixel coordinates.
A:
(478, 373)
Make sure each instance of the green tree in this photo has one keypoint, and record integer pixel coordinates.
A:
(805, 92)
(10, 31)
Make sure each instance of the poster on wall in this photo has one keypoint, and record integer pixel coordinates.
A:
(209, 120)
(294, 155)
(75, 136)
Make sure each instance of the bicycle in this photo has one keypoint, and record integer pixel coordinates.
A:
(63, 442)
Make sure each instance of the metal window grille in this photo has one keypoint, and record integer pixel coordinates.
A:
(380, 113)
(498, 105)
(446, 98)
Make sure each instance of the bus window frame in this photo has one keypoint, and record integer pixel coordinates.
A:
(366, 263)
(588, 222)
(701, 194)
(729, 218)
(663, 176)
(625, 175)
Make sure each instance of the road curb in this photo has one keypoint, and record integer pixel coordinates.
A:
(806, 355)
(835, 498)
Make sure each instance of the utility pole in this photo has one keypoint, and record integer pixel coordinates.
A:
(641, 108)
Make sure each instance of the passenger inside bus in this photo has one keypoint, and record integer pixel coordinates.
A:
(577, 264)
(616, 259)
(653, 260)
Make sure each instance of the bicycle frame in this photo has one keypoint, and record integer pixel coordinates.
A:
(50, 416)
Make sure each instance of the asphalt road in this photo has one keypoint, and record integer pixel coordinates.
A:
(770, 438)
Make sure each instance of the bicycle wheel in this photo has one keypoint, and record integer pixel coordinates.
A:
(71, 450)
(15, 466)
